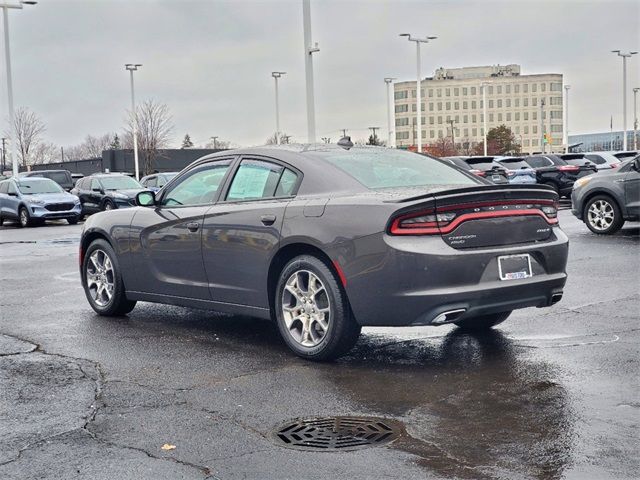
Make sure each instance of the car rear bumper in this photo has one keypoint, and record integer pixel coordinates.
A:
(412, 280)
(522, 180)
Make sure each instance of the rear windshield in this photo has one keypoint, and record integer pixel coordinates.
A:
(481, 164)
(515, 164)
(575, 161)
(120, 182)
(59, 177)
(381, 168)
(44, 185)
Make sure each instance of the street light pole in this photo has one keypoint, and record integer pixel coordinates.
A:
(484, 115)
(7, 55)
(276, 76)
(390, 131)
(624, 93)
(566, 117)
(418, 41)
(635, 118)
(308, 68)
(132, 67)
(215, 142)
(542, 144)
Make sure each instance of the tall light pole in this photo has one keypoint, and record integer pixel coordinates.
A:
(624, 93)
(542, 144)
(276, 76)
(483, 86)
(7, 55)
(418, 41)
(635, 118)
(566, 117)
(215, 142)
(309, 50)
(391, 141)
(132, 67)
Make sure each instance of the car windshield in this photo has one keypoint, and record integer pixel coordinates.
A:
(515, 164)
(382, 168)
(31, 187)
(119, 182)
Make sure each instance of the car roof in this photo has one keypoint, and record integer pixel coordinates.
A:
(33, 172)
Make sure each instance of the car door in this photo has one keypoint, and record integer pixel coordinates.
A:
(241, 233)
(4, 203)
(632, 188)
(166, 240)
(12, 200)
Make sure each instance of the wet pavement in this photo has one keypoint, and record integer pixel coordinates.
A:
(551, 393)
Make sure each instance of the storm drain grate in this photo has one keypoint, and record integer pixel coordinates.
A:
(338, 433)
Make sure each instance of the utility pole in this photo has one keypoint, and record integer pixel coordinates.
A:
(635, 118)
(418, 41)
(344, 132)
(3, 154)
(215, 142)
(62, 154)
(624, 93)
(276, 76)
(451, 121)
(566, 117)
(542, 145)
(484, 115)
(308, 68)
(132, 67)
(391, 133)
(375, 137)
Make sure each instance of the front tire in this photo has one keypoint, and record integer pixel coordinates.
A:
(602, 215)
(102, 281)
(73, 221)
(24, 219)
(108, 205)
(482, 322)
(312, 311)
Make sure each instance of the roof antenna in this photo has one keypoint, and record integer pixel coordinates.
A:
(345, 142)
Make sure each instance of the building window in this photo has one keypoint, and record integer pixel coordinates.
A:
(413, 93)
(402, 108)
(525, 88)
(534, 102)
(517, 115)
(432, 120)
(526, 142)
(534, 142)
(465, 119)
(464, 90)
(534, 88)
(439, 133)
(534, 129)
(402, 135)
(490, 90)
(473, 104)
(439, 92)
(556, 114)
(401, 122)
(439, 106)
(439, 120)
(491, 117)
(499, 117)
(465, 105)
(525, 115)
(534, 115)
(456, 92)
(526, 130)
(555, 87)
(457, 119)
(401, 95)
(516, 102)
(525, 102)
(556, 128)
(508, 102)
(474, 132)
(473, 119)
(431, 92)
(447, 92)
(448, 119)
(507, 89)
(499, 88)
(430, 107)
(432, 133)
(508, 117)
(456, 106)
(473, 90)
(466, 132)
(543, 87)
(490, 103)
(555, 101)
(447, 106)
(499, 103)
(517, 128)
(516, 89)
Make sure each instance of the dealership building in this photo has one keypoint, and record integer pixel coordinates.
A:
(530, 105)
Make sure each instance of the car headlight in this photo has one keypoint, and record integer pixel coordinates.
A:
(35, 201)
(581, 182)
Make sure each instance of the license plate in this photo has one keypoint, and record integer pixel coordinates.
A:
(496, 178)
(514, 267)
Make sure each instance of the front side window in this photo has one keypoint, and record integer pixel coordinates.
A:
(256, 179)
(377, 169)
(198, 187)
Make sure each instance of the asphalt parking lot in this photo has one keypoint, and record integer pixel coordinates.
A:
(552, 393)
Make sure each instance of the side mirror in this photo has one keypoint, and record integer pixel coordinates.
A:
(12, 194)
(145, 199)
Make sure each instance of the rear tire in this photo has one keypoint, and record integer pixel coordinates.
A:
(1, 220)
(108, 205)
(312, 310)
(100, 266)
(602, 215)
(482, 322)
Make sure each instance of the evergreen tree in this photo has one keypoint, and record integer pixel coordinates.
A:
(186, 142)
(115, 143)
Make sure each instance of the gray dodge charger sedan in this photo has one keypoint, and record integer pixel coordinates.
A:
(324, 240)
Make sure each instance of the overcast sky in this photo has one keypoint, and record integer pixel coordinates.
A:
(211, 61)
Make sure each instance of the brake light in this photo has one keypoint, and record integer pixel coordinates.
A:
(511, 173)
(568, 168)
(615, 165)
(479, 173)
(447, 219)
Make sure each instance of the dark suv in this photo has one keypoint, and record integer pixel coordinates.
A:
(61, 177)
(604, 201)
(560, 173)
(106, 191)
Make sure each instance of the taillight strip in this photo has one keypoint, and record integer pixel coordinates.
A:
(464, 206)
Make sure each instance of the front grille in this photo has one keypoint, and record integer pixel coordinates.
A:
(59, 207)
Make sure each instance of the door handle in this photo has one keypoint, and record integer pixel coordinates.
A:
(268, 219)
(193, 226)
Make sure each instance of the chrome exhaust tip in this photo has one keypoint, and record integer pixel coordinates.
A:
(556, 297)
(448, 317)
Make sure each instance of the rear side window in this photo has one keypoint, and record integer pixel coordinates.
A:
(150, 182)
(254, 179)
(597, 159)
(4, 187)
(287, 183)
(382, 168)
(539, 162)
(11, 188)
(95, 184)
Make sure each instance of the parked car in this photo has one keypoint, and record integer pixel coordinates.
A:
(487, 167)
(603, 160)
(106, 191)
(605, 201)
(518, 171)
(460, 162)
(559, 174)
(61, 177)
(626, 155)
(325, 240)
(156, 181)
(32, 200)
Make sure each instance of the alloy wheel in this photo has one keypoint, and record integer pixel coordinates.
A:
(24, 218)
(100, 277)
(306, 308)
(601, 215)
(108, 206)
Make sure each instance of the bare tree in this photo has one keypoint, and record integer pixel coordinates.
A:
(154, 131)
(28, 128)
(284, 138)
(219, 144)
(44, 152)
(91, 147)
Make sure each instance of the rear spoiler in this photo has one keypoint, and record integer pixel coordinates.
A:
(504, 191)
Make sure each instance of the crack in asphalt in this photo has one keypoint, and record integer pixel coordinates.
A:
(96, 405)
